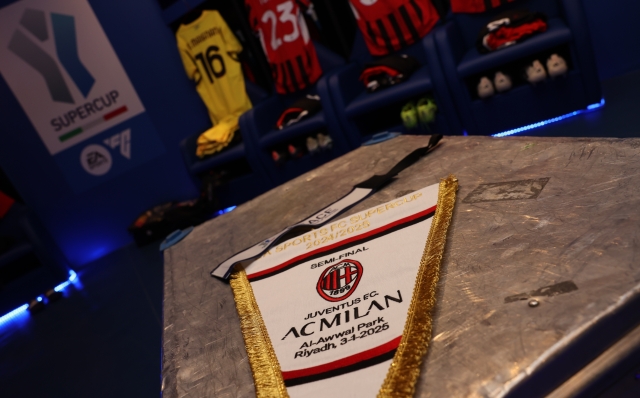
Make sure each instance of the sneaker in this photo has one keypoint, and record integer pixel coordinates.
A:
(409, 116)
(427, 111)
(312, 145)
(325, 141)
(501, 82)
(485, 88)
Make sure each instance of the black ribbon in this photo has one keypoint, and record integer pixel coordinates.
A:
(326, 214)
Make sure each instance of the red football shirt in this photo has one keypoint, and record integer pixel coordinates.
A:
(285, 39)
(389, 25)
(474, 6)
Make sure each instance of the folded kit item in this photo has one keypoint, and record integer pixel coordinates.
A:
(217, 137)
(476, 6)
(236, 139)
(207, 147)
(388, 71)
(302, 108)
(510, 28)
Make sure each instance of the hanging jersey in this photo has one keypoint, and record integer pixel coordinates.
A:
(285, 40)
(389, 25)
(209, 52)
(476, 6)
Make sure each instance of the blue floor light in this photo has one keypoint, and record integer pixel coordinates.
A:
(223, 211)
(549, 121)
(72, 277)
(13, 314)
(23, 308)
(596, 106)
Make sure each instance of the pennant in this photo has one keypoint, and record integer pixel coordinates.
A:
(345, 310)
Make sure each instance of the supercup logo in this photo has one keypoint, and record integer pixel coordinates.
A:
(64, 36)
(340, 280)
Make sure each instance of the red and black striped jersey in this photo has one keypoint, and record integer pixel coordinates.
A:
(476, 6)
(285, 39)
(389, 25)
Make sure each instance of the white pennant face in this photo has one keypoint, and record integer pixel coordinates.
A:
(335, 300)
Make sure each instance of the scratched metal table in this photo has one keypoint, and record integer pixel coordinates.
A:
(551, 219)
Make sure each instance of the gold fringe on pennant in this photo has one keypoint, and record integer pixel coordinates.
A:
(267, 375)
(405, 368)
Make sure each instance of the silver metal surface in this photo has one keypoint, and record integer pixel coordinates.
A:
(553, 213)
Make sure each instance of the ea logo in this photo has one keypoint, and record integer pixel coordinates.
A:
(96, 160)
(340, 280)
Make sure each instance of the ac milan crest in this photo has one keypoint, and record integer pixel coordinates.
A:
(340, 280)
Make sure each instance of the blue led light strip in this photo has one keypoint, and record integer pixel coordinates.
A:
(72, 277)
(549, 121)
(223, 211)
(15, 313)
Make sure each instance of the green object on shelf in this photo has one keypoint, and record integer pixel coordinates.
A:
(427, 109)
(409, 115)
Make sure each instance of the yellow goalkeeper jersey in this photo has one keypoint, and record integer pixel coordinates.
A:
(209, 52)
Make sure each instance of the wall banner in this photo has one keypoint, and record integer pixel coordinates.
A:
(62, 69)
